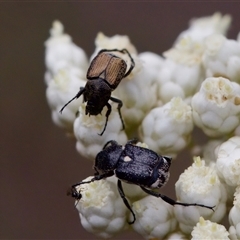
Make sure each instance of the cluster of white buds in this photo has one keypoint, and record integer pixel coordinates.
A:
(66, 67)
(195, 84)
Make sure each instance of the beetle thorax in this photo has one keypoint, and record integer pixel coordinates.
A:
(97, 93)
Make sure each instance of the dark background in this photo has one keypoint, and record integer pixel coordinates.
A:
(38, 162)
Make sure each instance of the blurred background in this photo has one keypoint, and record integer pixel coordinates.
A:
(38, 161)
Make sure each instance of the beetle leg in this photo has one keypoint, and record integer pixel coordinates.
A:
(121, 192)
(132, 63)
(107, 115)
(96, 178)
(133, 141)
(116, 100)
(82, 89)
(173, 202)
(112, 142)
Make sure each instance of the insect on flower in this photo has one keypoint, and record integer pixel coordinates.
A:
(104, 74)
(134, 165)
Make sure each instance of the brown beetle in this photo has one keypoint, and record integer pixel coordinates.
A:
(104, 74)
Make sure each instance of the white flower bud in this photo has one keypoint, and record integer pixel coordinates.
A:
(222, 57)
(233, 233)
(209, 151)
(62, 52)
(216, 107)
(101, 209)
(176, 236)
(228, 161)
(139, 94)
(202, 27)
(199, 184)
(181, 73)
(63, 87)
(115, 42)
(154, 218)
(206, 229)
(87, 129)
(234, 216)
(167, 129)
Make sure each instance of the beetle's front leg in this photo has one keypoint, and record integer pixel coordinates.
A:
(112, 142)
(107, 115)
(96, 178)
(81, 91)
(120, 104)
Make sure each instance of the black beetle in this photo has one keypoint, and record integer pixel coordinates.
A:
(104, 74)
(134, 165)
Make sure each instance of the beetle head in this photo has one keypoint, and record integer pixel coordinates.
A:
(94, 107)
(107, 159)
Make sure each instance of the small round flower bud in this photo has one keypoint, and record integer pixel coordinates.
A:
(222, 57)
(62, 52)
(216, 107)
(176, 236)
(116, 41)
(87, 129)
(167, 129)
(181, 73)
(60, 90)
(101, 209)
(208, 151)
(202, 27)
(234, 216)
(228, 161)
(139, 94)
(154, 218)
(199, 184)
(206, 229)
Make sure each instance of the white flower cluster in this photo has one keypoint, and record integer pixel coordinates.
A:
(195, 84)
(66, 66)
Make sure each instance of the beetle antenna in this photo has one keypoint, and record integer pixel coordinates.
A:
(173, 202)
(82, 89)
